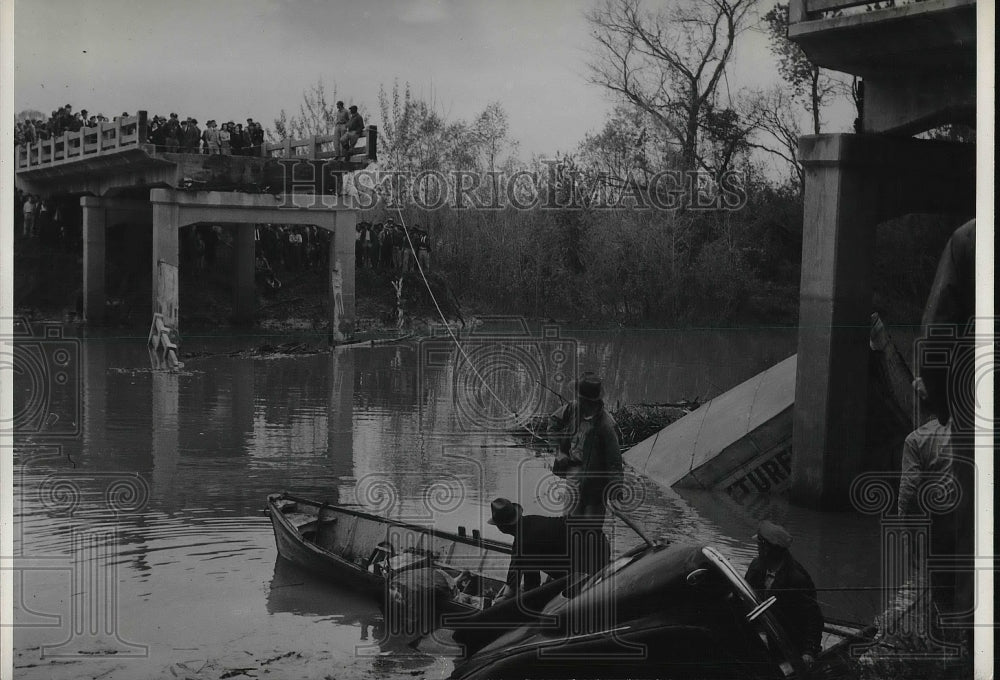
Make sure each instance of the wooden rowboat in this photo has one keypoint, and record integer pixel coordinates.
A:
(380, 555)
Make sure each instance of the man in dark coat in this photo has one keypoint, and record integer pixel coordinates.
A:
(191, 137)
(540, 545)
(775, 572)
(355, 130)
(589, 456)
(172, 132)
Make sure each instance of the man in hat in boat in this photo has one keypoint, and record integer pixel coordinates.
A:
(775, 572)
(540, 545)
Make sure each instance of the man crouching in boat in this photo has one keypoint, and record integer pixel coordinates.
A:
(775, 572)
(540, 545)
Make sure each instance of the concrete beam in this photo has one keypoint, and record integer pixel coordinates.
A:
(919, 38)
(907, 105)
(853, 182)
(174, 209)
(140, 166)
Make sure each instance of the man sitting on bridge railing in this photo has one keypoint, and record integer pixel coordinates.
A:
(355, 131)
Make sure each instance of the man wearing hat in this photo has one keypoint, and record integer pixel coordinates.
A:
(589, 456)
(340, 118)
(211, 138)
(775, 572)
(355, 129)
(191, 137)
(540, 545)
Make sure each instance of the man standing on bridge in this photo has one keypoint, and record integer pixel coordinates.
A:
(211, 139)
(340, 118)
(191, 136)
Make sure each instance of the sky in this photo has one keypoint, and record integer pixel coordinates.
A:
(235, 59)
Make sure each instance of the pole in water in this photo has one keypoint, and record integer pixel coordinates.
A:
(630, 523)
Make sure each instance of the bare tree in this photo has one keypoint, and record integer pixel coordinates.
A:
(315, 116)
(813, 86)
(668, 62)
(491, 130)
(777, 129)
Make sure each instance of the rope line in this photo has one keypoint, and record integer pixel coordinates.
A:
(454, 338)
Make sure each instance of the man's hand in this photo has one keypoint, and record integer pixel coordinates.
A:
(808, 659)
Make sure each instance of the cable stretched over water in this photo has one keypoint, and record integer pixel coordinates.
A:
(451, 333)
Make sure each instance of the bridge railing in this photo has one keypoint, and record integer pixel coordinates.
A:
(132, 131)
(326, 146)
(807, 10)
(84, 143)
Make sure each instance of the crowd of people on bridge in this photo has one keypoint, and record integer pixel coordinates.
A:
(167, 133)
(177, 136)
(392, 247)
(62, 120)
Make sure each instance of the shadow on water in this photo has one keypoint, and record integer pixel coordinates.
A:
(296, 591)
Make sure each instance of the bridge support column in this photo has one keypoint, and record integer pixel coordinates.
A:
(173, 209)
(341, 275)
(244, 290)
(166, 262)
(95, 223)
(853, 182)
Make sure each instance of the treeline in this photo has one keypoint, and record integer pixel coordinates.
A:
(622, 266)
(665, 69)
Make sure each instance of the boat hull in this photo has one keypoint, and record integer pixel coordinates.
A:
(372, 553)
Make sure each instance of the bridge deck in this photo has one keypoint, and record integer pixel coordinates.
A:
(853, 37)
(117, 157)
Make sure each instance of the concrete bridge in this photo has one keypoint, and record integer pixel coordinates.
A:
(119, 176)
(918, 65)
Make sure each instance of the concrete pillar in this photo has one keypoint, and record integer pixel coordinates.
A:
(853, 182)
(341, 274)
(95, 218)
(834, 305)
(166, 231)
(244, 290)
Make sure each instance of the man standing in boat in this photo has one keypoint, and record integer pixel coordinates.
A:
(540, 545)
(590, 461)
(775, 572)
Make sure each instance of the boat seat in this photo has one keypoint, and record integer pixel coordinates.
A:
(308, 526)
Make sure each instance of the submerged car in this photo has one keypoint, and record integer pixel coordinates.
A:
(677, 611)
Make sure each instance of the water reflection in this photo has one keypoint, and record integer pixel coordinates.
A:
(196, 557)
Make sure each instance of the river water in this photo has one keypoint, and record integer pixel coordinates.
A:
(142, 549)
